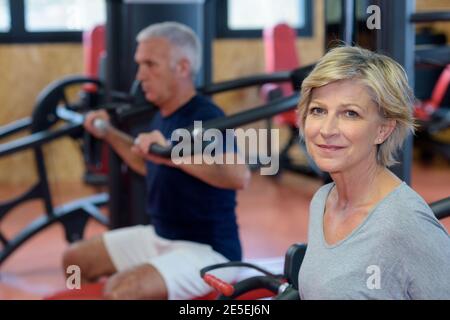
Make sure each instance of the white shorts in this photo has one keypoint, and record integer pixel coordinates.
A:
(178, 262)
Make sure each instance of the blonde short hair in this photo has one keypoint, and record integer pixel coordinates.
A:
(387, 84)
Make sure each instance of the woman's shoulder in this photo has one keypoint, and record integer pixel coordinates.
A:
(407, 215)
(407, 202)
(418, 235)
(404, 195)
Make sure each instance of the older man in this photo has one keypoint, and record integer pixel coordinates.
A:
(192, 206)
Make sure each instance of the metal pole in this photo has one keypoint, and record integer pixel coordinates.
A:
(113, 75)
(396, 38)
(348, 21)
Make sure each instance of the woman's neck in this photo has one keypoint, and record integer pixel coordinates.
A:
(361, 187)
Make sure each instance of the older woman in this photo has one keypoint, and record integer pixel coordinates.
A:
(370, 235)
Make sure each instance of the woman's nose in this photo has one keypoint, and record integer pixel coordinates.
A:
(329, 126)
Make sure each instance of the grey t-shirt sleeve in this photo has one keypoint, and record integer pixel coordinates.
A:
(426, 248)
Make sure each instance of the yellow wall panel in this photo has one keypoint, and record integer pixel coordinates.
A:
(25, 71)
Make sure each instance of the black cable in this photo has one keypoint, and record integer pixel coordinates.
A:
(238, 264)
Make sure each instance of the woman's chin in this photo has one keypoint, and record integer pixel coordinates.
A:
(329, 166)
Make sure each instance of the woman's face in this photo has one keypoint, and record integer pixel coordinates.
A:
(343, 126)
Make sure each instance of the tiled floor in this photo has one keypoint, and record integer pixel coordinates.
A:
(272, 213)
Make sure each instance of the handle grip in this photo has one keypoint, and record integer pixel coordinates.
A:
(223, 287)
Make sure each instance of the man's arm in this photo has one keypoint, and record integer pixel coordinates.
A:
(122, 146)
(119, 141)
(227, 176)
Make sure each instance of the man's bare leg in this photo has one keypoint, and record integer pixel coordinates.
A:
(141, 282)
(92, 258)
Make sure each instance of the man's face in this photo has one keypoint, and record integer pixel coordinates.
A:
(156, 70)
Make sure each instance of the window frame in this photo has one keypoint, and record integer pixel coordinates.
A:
(8, 16)
(18, 34)
(222, 30)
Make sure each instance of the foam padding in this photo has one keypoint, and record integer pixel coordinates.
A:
(94, 291)
(91, 291)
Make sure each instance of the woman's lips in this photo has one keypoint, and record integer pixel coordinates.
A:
(329, 147)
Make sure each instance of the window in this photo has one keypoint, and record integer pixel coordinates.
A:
(333, 11)
(237, 18)
(63, 15)
(49, 20)
(5, 20)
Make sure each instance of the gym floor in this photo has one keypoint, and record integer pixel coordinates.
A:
(272, 213)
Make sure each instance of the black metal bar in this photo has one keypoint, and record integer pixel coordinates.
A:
(265, 111)
(44, 188)
(114, 35)
(34, 227)
(396, 39)
(348, 21)
(295, 76)
(14, 127)
(420, 17)
(61, 84)
(32, 193)
(242, 118)
(3, 240)
(45, 221)
(39, 138)
(246, 82)
(95, 212)
(441, 208)
(17, 17)
(99, 199)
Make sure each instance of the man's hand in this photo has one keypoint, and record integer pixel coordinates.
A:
(89, 122)
(143, 142)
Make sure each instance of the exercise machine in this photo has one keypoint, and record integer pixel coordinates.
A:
(52, 107)
(281, 286)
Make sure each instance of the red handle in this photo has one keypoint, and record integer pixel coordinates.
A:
(223, 287)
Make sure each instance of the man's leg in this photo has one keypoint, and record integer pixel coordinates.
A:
(140, 282)
(92, 258)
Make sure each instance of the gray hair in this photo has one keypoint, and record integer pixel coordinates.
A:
(386, 81)
(181, 37)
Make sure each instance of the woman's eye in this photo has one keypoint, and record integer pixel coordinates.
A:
(351, 114)
(316, 111)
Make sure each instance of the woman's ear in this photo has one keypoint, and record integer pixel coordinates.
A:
(385, 130)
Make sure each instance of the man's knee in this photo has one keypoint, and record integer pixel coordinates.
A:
(137, 283)
(91, 257)
(72, 255)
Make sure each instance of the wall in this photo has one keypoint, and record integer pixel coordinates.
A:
(236, 58)
(435, 5)
(26, 69)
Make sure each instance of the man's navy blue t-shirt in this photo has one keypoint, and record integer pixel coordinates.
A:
(183, 207)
